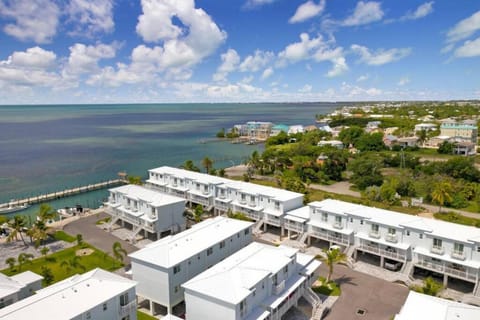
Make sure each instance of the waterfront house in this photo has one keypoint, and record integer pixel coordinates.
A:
(333, 143)
(97, 294)
(163, 266)
(260, 203)
(258, 282)
(276, 129)
(144, 210)
(422, 306)
(415, 245)
(296, 129)
(18, 287)
(464, 132)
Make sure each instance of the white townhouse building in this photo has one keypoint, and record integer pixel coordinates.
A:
(419, 244)
(18, 287)
(96, 295)
(145, 210)
(422, 306)
(163, 266)
(260, 203)
(258, 282)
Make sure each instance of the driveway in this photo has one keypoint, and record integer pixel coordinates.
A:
(379, 299)
(96, 236)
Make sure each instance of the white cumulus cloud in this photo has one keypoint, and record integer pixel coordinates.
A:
(300, 50)
(422, 11)
(230, 61)
(255, 62)
(403, 81)
(35, 58)
(307, 11)
(34, 20)
(251, 4)
(84, 58)
(381, 56)
(464, 28)
(91, 17)
(305, 89)
(267, 73)
(364, 13)
(470, 48)
(363, 77)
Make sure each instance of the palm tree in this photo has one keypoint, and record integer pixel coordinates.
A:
(44, 251)
(332, 257)
(431, 287)
(38, 233)
(207, 163)
(46, 213)
(118, 252)
(24, 258)
(441, 193)
(17, 224)
(190, 166)
(198, 213)
(73, 263)
(11, 263)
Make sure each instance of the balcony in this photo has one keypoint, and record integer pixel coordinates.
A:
(242, 201)
(459, 255)
(222, 206)
(277, 289)
(455, 271)
(127, 309)
(374, 234)
(391, 253)
(437, 250)
(252, 204)
(293, 226)
(328, 237)
(391, 238)
(338, 225)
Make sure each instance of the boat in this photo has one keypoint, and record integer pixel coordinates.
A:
(13, 208)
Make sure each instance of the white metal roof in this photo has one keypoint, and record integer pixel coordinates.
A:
(69, 298)
(27, 277)
(421, 306)
(303, 213)
(172, 250)
(155, 198)
(246, 187)
(242, 271)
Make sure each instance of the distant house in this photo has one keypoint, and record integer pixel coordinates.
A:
(464, 148)
(276, 129)
(333, 143)
(372, 125)
(459, 131)
(310, 128)
(18, 287)
(389, 140)
(321, 159)
(296, 129)
(425, 126)
(407, 141)
(390, 130)
(259, 130)
(437, 141)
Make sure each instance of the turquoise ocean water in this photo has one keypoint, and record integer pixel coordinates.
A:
(50, 148)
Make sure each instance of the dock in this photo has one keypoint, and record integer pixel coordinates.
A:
(64, 193)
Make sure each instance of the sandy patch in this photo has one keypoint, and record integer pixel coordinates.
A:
(426, 214)
(84, 252)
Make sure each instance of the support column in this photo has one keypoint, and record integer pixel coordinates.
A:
(355, 254)
(145, 233)
(264, 227)
(169, 309)
(445, 280)
(309, 240)
(288, 234)
(382, 260)
(282, 231)
(123, 224)
(152, 305)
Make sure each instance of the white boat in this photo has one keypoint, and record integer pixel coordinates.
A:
(13, 208)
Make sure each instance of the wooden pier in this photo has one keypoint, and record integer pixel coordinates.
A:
(64, 193)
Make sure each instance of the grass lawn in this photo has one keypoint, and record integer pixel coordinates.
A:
(61, 235)
(144, 316)
(53, 261)
(456, 218)
(330, 289)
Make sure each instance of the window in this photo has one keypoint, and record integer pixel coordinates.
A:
(209, 251)
(351, 219)
(247, 231)
(361, 221)
(252, 198)
(437, 243)
(104, 306)
(408, 232)
(176, 288)
(274, 280)
(222, 244)
(124, 299)
(374, 228)
(88, 315)
(458, 247)
(176, 269)
(238, 235)
(126, 318)
(324, 216)
(420, 235)
(392, 231)
(277, 205)
(285, 269)
(478, 249)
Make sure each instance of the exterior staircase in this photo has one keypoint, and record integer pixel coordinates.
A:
(302, 237)
(257, 226)
(133, 236)
(316, 303)
(108, 226)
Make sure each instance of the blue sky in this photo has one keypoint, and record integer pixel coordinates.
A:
(124, 51)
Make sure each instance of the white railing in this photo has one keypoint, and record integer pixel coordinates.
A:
(328, 237)
(242, 201)
(338, 225)
(277, 289)
(459, 272)
(387, 253)
(222, 206)
(374, 234)
(127, 309)
(273, 221)
(391, 238)
(293, 226)
(437, 250)
(459, 255)
(199, 200)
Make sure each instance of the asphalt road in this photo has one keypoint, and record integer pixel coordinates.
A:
(97, 237)
(379, 299)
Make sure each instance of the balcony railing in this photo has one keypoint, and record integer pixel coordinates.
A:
(273, 221)
(200, 200)
(459, 255)
(374, 234)
(221, 206)
(242, 201)
(277, 289)
(391, 238)
(437, 250)
(391, 253)
(252, 204)
(127, 309)
(459, 272)
(329, 237)
(294, 227)
(338, 225)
